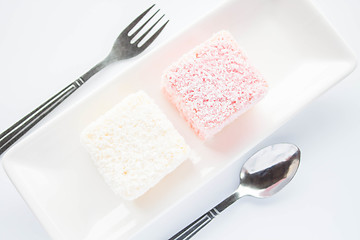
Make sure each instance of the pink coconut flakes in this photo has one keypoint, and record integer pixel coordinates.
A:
(213, 84)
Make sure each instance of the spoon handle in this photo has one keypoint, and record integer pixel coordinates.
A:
(189, 231)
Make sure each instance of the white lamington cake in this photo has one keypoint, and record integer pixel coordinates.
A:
(134, 145)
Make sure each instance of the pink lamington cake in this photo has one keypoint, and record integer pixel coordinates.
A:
(213, 84)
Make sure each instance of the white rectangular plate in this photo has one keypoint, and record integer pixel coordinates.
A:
(292, 44)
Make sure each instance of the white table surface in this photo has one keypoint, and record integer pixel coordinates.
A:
(44, 45)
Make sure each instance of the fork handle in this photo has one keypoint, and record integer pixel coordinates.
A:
(16, 131)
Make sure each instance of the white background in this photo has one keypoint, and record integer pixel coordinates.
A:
(44, 45)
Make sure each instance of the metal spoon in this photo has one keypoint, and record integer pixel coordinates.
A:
(262, 175)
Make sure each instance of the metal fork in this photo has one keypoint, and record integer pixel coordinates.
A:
(122, 49)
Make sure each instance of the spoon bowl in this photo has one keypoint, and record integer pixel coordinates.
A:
(262, 175)
(260, 178)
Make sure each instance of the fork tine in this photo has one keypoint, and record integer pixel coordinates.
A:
(153, 37)
(147, 32)
(142, 26)
(133, 23)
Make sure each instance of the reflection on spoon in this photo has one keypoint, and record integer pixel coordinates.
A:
(262, 175)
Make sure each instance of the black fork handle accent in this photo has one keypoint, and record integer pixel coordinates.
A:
(16, 131)
(194, 227)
